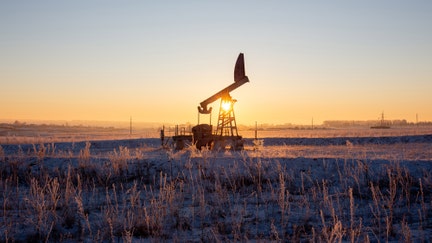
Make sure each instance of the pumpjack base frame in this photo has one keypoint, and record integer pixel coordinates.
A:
(214, 143)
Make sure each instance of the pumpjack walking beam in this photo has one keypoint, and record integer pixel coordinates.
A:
(240, 78)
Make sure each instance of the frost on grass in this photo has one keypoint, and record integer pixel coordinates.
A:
(132, 190)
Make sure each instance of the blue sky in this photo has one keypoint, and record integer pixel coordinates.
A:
(157, 60)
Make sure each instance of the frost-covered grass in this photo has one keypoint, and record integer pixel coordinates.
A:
(132, 190)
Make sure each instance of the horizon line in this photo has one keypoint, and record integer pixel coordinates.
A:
(128, 122)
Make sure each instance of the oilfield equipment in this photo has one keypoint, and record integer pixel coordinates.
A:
(226, 134)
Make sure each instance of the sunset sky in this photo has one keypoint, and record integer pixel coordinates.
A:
(157, 60)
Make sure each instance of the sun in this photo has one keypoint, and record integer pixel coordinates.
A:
(226, 105)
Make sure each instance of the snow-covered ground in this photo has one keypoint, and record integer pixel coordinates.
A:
(329, 189)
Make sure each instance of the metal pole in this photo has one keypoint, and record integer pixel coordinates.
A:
(256, 131)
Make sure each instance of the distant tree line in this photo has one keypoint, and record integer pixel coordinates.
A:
(345, 123)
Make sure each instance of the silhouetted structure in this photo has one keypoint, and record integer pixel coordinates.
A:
(383, 124)
(226, 134)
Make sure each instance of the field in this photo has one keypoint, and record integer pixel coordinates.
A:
(321, 186)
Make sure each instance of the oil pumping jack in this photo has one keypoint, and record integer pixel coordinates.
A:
(226, 134)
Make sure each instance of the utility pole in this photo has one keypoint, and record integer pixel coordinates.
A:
(256, 130)
(130, 127)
